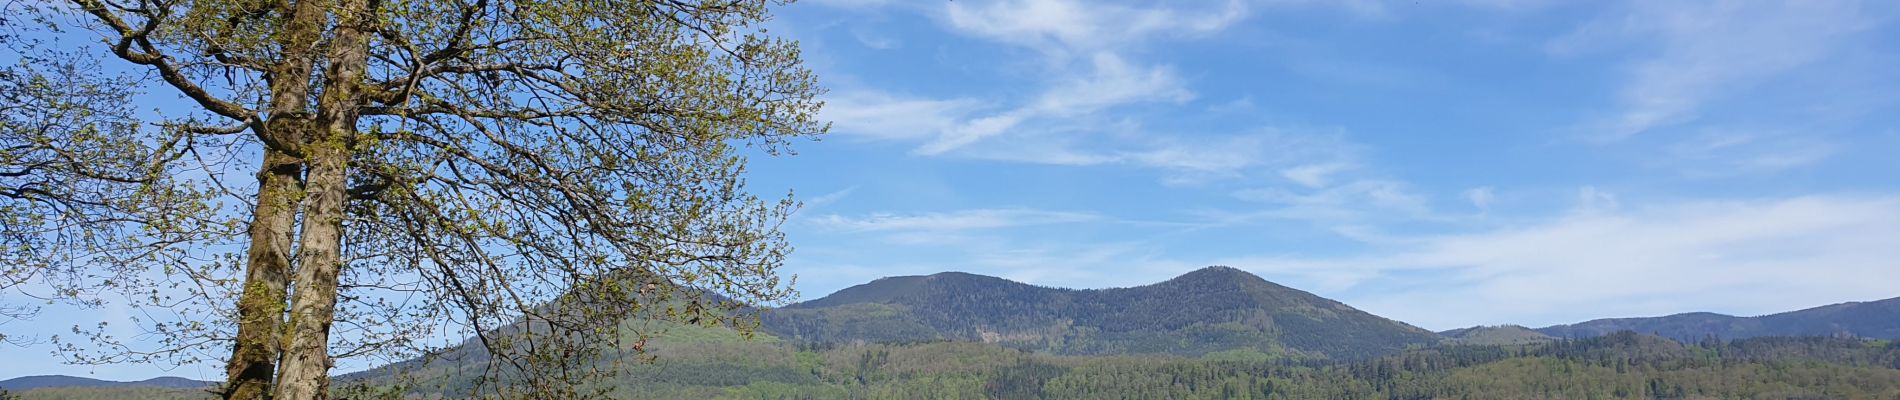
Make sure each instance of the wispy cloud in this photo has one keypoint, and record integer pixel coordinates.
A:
(1222, 156)
(1344, 205)
(880, 115)
(1312, 175)
(1482, 197)
(1061, 28)
(951, 221)
(1084, 75)
(1058, 128)
(876, 40)
(1733, 256)
(1510, 5)
(1725, 152)
(1592, 200)
(1268, 148)
(854, 4)
(828, 198)
(1705, 50)
(1111, 82)
(1311, 157)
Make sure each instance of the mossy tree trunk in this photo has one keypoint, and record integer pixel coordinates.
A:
(305, 373)
(259, 341)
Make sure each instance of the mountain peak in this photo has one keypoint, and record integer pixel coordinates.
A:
(1222, 278)
(898, 289)
(1219, 270)
(961, 276)
(1219, 273)
(1228, 307)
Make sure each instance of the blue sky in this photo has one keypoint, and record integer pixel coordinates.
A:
(1442, 163)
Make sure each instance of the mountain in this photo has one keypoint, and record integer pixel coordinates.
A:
(1208, 310)
(1872, 319)
(1495, 335)
(25, 383)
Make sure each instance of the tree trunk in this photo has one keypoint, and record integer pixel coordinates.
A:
(306, 370)
(261, 307)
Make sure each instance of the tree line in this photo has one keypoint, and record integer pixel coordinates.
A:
(716, 365)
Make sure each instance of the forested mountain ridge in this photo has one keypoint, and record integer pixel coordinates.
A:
(1870, 319)
(52, 381)
(1207, 310)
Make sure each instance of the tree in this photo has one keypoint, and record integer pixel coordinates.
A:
(532, 173)
(83, 190)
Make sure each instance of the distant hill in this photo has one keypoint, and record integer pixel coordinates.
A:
(1208, 310)
(1495, 335)
(25, 383)
(1873, 319)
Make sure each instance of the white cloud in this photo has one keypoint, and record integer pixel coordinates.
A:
(1707, 49)
(951, 221)
(1219, 156)
(1111, 82)
(1242, 104)
(1725, 152)
(1312, 155)
(828, 198)
(944, 126)
(1378, 9)
(853, 4)
(1591, 200)
(1482, 197)
(1312, 175)
(876, 40)
(1370, 9)
(1788, 158)
(1745, 257)
(1342, 207)
(1306, 156)
(1509, 5)
(1086, 72)
(970, 131)
(884, 116)
(1063, 27)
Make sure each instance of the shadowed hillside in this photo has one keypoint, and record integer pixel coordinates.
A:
(53, 381)
(1871, 319)
(1208, 310)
